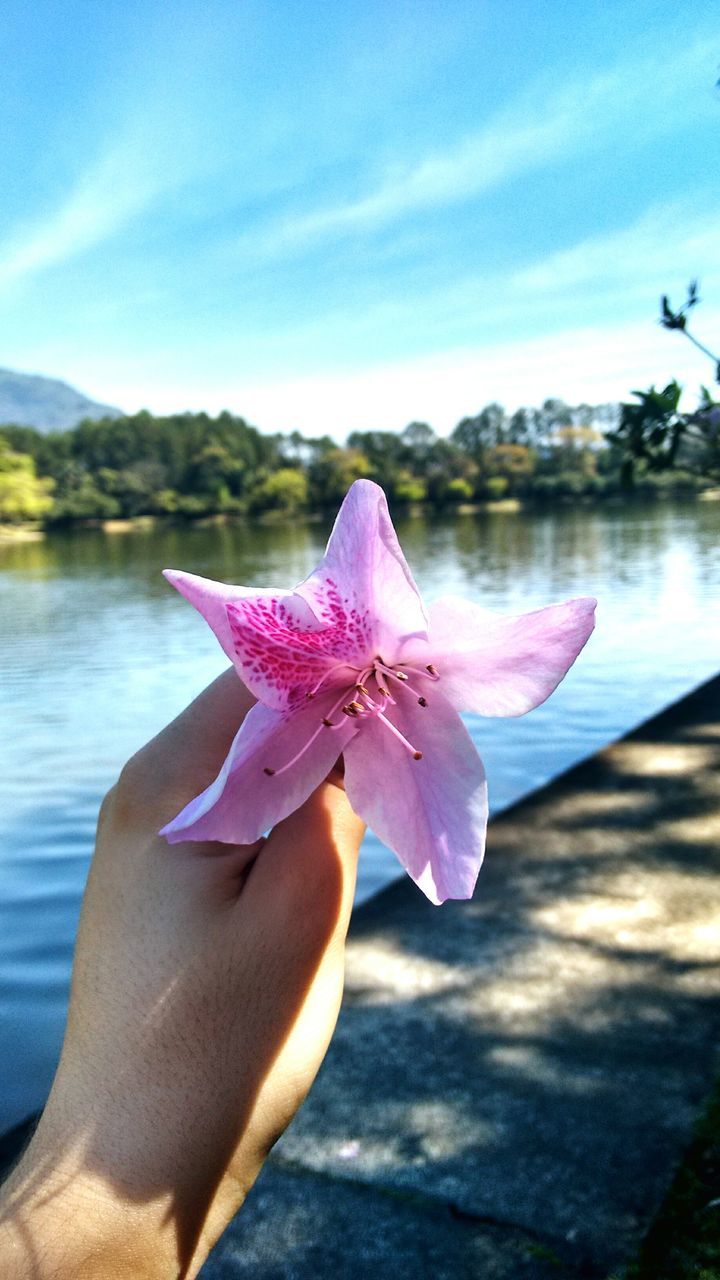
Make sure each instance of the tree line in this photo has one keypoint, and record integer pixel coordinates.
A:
(191, 465)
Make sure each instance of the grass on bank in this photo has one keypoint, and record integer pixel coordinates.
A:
(684, 1240)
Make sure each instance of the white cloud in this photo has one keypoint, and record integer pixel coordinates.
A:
(155, 147)
(538, 129)
(591, 365)
(593, 358)
(598, 282)
(106, 197)
(676, 238)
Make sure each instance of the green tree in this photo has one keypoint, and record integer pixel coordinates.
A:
(520, 428)
(23, 495)
(409, 488)
(331, 473)
(514, 464)
(458, 490)
(215, 471)
(418, 441)
(82, 500)
(133, 487)
(449, 464)
(383, 449)
(496, 487)
(484, 431)
(654, 435)
(284, 491)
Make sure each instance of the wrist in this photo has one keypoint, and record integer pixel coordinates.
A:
(93, 1198)
(59, 1220)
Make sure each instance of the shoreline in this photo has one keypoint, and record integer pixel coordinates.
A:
(34, 531)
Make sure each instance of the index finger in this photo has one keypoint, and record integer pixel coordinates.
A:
(184, 758)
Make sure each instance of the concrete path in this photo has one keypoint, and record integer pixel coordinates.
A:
(514, 1079)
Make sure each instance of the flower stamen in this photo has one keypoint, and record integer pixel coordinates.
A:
(430, 671)
(416, 755)
(363, 704)
(325, 723)
(311, 693)
(400, 675)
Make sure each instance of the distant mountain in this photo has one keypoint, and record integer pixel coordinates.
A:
(28, 400)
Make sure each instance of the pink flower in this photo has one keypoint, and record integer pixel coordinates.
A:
(349, 662)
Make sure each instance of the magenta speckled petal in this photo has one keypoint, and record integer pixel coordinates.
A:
(347, 663)
(431, 812)
(281, 650)
(211, 600)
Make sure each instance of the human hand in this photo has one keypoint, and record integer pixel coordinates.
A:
(206, 986)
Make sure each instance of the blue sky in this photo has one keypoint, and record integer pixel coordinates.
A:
(337, 216)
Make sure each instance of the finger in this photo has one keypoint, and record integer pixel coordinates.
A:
(336, 775)
(208, 724)
(186, 756)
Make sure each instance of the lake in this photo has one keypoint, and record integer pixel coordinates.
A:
(98, 653)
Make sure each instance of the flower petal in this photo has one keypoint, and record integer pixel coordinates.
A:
(364, 576)
(282, 652)
(211, 600)
(243, 801)
(432, 812)
(271, 636)
(502, 666)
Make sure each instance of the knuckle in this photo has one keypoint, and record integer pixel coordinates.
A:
(129, 795)
(107, 806)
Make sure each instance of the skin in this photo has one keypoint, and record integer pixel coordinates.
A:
(206, 986)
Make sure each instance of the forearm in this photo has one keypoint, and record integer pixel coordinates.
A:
(206, 985)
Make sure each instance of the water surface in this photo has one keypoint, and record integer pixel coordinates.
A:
(98, 653)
